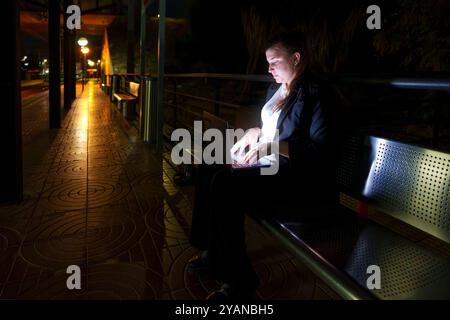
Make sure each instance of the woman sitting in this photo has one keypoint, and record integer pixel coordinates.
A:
(295, 132)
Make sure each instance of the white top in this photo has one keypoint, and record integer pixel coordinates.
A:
(270, 119)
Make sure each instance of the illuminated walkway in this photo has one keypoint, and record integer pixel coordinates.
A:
(98, 198)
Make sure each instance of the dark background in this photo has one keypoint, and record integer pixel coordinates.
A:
(414, 36)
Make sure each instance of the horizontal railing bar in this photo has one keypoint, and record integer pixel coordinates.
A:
(225, 104)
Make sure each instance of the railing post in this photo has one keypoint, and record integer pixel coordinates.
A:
(161, 67)
(147, 118)
(113, 87)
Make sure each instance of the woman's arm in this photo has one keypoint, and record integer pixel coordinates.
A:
(257, 130)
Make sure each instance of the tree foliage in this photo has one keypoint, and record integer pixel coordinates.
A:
(416, 36)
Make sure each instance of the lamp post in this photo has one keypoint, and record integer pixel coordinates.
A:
(84, 50)
(82, 42)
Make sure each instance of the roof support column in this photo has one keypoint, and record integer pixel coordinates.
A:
(161, 62)
(54, 64)
(69, 60)
(11, 185)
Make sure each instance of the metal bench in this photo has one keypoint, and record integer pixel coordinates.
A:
(393, 213)
(130, 98)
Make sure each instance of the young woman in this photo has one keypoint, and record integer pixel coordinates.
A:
(222, 197)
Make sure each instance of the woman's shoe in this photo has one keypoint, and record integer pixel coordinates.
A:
(182, 179)
(227, 292)
(198, 263)
(223, 294)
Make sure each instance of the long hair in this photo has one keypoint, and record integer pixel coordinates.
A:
(290, 42)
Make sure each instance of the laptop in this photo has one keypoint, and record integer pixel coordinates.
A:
(212, 121)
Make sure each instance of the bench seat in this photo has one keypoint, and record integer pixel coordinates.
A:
(375, 224)
(342, 248)
(124, 97)
(129, 98)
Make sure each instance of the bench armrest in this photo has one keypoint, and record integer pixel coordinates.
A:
(343, 285)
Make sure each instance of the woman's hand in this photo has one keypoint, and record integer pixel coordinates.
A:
(261, 150)
(250, 138)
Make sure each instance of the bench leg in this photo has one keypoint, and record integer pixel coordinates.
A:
(128, 110)
(124, 109)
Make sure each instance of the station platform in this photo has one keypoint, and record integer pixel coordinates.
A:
(99, 198)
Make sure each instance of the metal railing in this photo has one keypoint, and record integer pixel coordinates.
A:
(187, 95)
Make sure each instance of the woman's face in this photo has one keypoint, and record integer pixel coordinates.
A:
(282, 65)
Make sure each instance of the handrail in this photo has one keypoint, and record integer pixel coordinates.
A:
(397, 82)
(345, 287)
(426, 84)
(225, 104)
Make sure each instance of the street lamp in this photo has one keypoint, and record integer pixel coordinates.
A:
(84, 50)
(82, 42)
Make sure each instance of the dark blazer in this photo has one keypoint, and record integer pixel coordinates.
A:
(306, 125)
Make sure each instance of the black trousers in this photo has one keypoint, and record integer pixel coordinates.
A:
(221, 200)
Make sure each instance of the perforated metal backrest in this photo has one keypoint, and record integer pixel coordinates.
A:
(410, 183)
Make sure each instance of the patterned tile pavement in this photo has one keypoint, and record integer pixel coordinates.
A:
(99, 198)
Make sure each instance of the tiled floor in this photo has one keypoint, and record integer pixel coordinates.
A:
(98, 198)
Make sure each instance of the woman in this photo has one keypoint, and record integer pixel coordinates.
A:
(222, 197)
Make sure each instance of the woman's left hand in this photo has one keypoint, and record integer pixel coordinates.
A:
(254, 154)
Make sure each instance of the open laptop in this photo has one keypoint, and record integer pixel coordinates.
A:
(212, 121)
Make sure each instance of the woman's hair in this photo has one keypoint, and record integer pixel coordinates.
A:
(290, 42)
